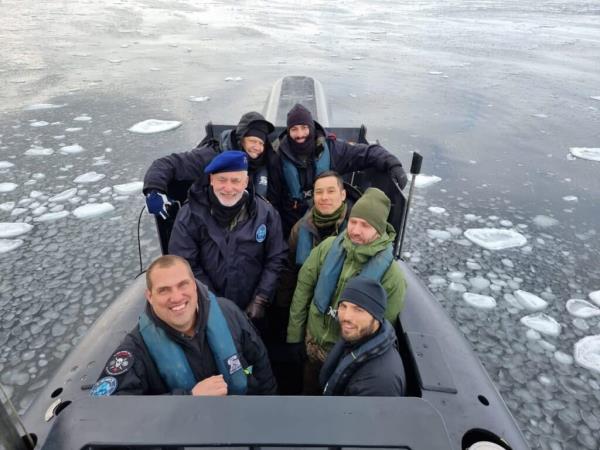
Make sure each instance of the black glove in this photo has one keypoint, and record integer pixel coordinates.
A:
(399, 175)
(256, 309)
(297, 352)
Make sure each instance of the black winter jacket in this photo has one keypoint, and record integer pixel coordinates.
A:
(236, 264)
(143, 377)
(377, 373)
(345, 158)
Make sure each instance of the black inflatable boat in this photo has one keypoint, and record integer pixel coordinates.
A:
(451, 402)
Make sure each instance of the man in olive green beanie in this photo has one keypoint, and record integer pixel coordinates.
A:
(365, 247)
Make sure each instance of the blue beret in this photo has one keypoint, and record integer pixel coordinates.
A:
(229, 161)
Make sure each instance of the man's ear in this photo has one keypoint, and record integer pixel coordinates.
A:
(148, 295)
(343, 195)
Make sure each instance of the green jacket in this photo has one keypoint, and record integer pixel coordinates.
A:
(324, 328)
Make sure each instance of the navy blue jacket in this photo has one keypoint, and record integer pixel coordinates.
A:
(143, 378)
(236, 264)
(376, 373)
(345, 158)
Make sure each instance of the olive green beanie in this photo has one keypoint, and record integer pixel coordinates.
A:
(374, 207)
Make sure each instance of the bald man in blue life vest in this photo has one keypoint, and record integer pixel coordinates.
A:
(187, 341)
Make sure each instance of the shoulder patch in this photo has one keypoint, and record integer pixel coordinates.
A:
(233, 364)
(261, 233)
(104, 387)
(120, 362)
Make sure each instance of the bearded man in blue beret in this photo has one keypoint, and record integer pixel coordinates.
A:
(231, 238)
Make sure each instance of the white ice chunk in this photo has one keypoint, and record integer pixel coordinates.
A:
(6, 165)
(14, 229)
(8, 187)
(479, 283)
(36, 194)
(72, 149)
(457, 287)
(48, 217)
(92, 210)
(424, 181)
(442, 235)
(479, 301)
(436, 210)
(506, 223)
(89, 177)
(233, 78)
(595, 297)
(63, 196)
(563, 358)
(17, 211)
(544, 221)
(543, 323)
(83, 118)
(587, 352)
(39, 151)
(593, 154)
(495, 238)
(508, 263)
(595, 97)
(198, 99)
(39, 210)
(39, 124)
(40, 106)
(530, 301)
(73, 130)
(472, 265)
(154, 126)
(471, 217)
(6, 245)
(581, 308)
(456, 275)
(135, 187)
(7, 207)
(570, 198)
(533, 335)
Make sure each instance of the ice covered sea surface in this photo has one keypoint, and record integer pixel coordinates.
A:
(494, 94)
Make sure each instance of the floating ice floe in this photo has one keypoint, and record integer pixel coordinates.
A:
(6, 165)
(479, 283)
(424, 181)
(593, 154)
(435, 72)
(14, 229)
(581, 308)
(442, 235)
(89, 177)
(91, 210)
(7, 206)
(40, 106)
(563, 358)
(135, 187)
(530, 301)
(8, 187)
(495, 238)
(198, 99)
(544, 221)
(436, 210)
(570, 198)
(233, 78)
(82, 118)
(151, 126)
(49, 217)
(72, 149)
(63, 196)
(587, 352)
(595, 297)
(543, 323)
(479, 301)
(6, 245)
(39, 124)
(73, 129)
(39, 151)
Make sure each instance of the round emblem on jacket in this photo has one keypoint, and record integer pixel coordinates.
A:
(104, 387)
(120, 362)
(261, 233)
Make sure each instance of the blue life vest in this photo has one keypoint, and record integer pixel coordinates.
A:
(305, 241)
(338, 369)
(173, 365)
(332, 268)
(292, 176)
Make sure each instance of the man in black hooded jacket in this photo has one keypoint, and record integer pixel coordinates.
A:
(306, 150)
(365, 361)
(171, 176)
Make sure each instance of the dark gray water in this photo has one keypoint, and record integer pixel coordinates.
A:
(493, 94)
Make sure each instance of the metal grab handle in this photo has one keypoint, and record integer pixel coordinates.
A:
(415, 169)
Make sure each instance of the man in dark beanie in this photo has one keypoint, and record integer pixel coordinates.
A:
(231, 238)
(171, 176)
(306, 150)
(365, 361)
(365, 247)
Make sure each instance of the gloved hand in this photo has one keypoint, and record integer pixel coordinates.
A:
(256, 309)
(297, 352)
(399, 175)
(157, 203)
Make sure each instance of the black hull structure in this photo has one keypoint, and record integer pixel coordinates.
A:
(451, 402)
